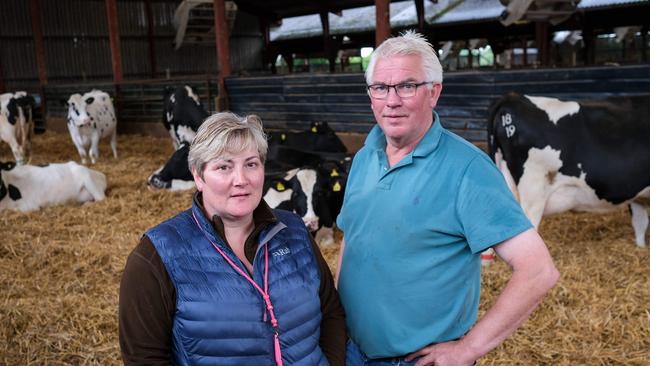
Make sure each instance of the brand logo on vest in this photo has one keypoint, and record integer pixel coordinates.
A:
(282, 251)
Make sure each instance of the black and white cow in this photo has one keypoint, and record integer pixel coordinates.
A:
(16, 123)
(91, 117)
(175, 175)
(320, 137)
(183, 113)
(287, 150)
(29, 187)
(315, 194)
(565, 155)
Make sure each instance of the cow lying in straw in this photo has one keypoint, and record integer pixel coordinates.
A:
(29, 187)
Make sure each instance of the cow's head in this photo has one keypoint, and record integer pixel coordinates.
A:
(329, 191)
(295, 192)
(325, 139)
(77, 110)
(16, 117)
(5, 190)
(183, 113)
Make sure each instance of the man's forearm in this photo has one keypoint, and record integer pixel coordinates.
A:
(534, 274)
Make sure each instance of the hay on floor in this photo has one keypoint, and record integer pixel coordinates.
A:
(60, 270)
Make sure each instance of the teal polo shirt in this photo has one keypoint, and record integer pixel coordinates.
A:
(413, 234)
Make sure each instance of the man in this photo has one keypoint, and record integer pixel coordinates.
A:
(420, 205)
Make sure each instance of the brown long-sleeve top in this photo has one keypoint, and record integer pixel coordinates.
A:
(148, 301)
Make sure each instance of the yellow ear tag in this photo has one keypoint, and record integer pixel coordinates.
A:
(279, 187)
(334, 173)
(336, 187)
(314, 129)
(283, 137)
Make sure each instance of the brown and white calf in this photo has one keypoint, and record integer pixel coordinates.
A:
(91, 117)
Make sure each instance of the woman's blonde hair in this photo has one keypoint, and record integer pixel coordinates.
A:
(226, 133)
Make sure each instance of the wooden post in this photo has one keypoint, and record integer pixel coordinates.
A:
(419, 8)
(223, 51)
(589, 52)
(268, 55)
(37, 30)
(3, 88)
(114, 38)
(524, 49)
(382, 19)
(644, 43)
(152, 45)
(327, 40)
(542, 42)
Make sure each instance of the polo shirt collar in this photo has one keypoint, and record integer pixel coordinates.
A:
(377, 140)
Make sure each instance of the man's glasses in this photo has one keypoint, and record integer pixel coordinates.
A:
(403, 90)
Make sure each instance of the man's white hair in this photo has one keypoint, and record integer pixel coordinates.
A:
(408, 43)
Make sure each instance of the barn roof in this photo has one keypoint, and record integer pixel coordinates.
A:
(291, 8)
(584, 4)
(403, 14)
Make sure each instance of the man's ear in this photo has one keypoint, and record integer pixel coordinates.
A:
(436, 89)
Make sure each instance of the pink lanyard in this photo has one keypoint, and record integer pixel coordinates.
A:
(264, 293)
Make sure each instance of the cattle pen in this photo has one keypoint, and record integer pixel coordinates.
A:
(60, 269)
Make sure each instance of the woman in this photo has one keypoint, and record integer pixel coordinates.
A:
(230, 281)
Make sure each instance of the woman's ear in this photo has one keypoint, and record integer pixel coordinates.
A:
(198, 180)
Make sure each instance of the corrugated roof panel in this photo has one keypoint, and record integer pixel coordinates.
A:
(471, 10)
(403, 14)
(352, 20)
(607, 3)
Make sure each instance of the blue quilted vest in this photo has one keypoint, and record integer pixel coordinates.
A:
(220, 318)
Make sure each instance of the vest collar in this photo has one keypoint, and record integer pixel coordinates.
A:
(265, 221)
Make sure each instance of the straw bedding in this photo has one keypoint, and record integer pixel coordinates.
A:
(60, 270)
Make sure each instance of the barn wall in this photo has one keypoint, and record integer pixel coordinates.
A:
(138, 104)
(294, 101)
(77, 47)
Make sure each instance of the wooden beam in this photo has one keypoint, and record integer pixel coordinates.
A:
(542, 41)
(114, 39)
(644, 44)
(223, 50)
(382, 18)
(419, 8)
(327, 40)
(37, 30)
(150, 37)
(268, 53)
(589, 51)
(3, 88)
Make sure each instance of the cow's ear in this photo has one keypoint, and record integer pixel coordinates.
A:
(7, 166)
(27, 101)
(12, 107)
(3, 189)
(90, 100)
(14, 192)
